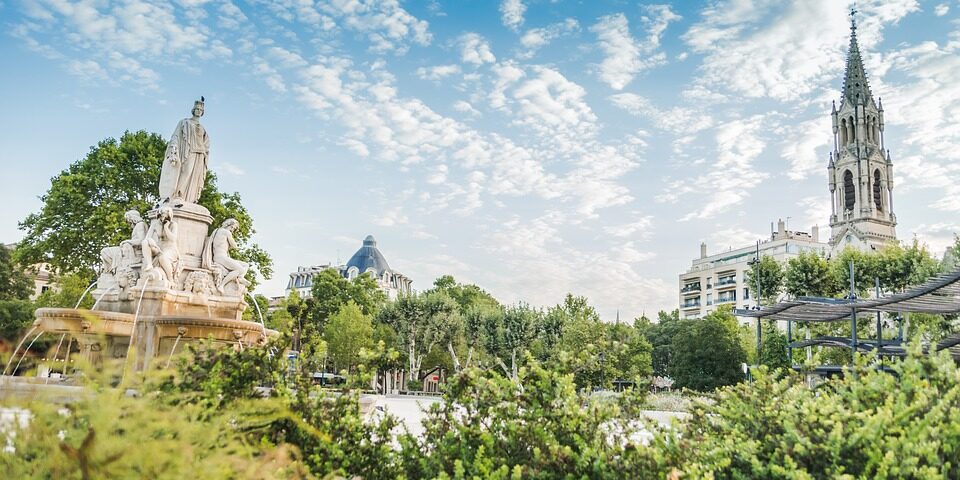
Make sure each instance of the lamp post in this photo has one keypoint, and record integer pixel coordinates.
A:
(755, 265)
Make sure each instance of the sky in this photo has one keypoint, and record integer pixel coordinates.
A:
(533, 147)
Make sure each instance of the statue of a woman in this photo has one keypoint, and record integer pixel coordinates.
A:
(185, 161)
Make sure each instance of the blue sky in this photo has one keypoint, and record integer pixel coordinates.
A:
(532, 147)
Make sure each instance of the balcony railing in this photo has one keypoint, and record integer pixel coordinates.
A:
(726, 299)
(727, 281)
(691, 305)
(690, 288)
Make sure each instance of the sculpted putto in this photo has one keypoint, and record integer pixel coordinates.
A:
(216, 257)
(185, 161)
(160, 245)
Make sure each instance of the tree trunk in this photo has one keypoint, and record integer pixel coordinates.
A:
(453, 356)
(506, 370)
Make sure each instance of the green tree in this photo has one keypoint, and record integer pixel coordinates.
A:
(773, 349)
(660, 335)
(331, 291)
(16, 311)
(770, 274)
(445, 323)
(69, 289)
(707, 353)
(507, 334)
(14, 283)
(467, 296)
(409, 317)
(631, 355)
(809, 275)
(864, 271)
(83, 210)
(898, 267)
(347, 333)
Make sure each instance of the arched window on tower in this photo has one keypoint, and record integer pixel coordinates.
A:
(843, 132)
(869, 129)
(849, 194)
(852, 134)
(877, 197)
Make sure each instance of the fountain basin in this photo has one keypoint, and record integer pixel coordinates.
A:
(104, 333)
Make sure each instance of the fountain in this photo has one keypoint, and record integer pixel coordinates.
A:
(173, 281)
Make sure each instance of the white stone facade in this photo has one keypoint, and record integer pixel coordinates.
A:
(721, 279)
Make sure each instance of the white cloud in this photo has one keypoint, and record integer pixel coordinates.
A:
(87, 69)
(625, 56)
(438, 72)
(789, 55)
(475, 50)
(816, 211)
(390, 218)
(941, 10)
(640, 228)
(677, 120)
(231, 168)
(803, 144)
(286, 58)
(511, 12)
(536, 38)
(388, 26)
(465, 107)
(728, 181)
(622, 60)
(540, 267)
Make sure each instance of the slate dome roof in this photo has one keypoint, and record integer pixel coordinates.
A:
(369, 257)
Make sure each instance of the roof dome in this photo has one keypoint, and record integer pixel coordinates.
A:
(369, 257)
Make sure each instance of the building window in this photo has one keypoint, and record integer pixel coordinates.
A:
(849, 194)
(746, 294)
(876, 191)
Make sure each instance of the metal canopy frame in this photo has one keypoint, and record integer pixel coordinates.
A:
(939, 295)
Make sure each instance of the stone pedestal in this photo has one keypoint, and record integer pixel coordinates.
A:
(193, 226)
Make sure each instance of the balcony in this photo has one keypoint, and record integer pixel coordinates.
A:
(689, 305)
(727, 283)
(729, 299)
(694, 287)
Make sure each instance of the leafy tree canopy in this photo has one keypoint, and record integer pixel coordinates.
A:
(467, 296)
(347, 333)
(14, 283)
(707, 353)
(768, 273)
(330, 292)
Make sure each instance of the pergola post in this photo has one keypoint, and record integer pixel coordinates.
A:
(790, 342)
(853, 315)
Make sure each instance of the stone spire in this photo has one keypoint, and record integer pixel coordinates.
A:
(855, 79)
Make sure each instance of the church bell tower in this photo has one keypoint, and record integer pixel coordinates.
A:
(860, 170)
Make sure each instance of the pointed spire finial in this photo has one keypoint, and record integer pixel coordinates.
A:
(853, 20)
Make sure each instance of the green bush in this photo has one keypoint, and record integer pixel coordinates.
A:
(868, 424)
(490, 427)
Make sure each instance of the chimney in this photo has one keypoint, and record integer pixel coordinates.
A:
(781, 227)
(703, 249)
(815, 233)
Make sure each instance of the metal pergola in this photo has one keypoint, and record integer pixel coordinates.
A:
(939, 295)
